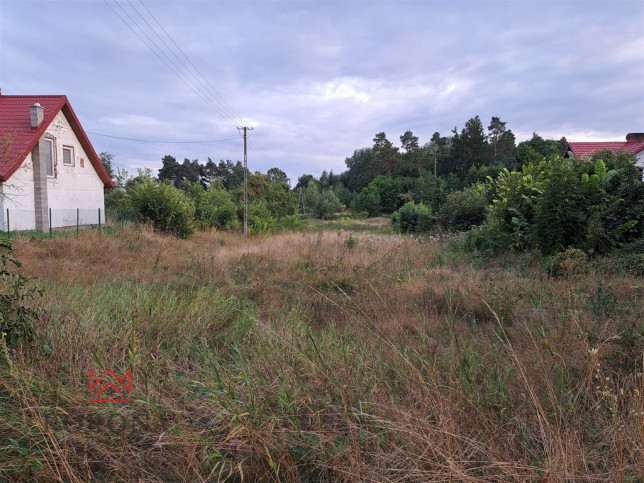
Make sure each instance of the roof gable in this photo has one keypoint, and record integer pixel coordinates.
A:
(18, 138)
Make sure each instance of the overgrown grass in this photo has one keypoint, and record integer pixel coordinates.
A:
(323, 356)
(346, 223)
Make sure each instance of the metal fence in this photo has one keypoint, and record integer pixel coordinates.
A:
(14, 220)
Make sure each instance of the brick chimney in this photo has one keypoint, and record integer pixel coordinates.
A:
(37, 114)
(635, 137)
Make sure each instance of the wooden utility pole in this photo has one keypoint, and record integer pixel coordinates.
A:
(245, 179)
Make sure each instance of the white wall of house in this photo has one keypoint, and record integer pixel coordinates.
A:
(75, 186)
(17, 196)
(74, 191)
(639, 162)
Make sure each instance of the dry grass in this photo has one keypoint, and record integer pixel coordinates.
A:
(324, 356)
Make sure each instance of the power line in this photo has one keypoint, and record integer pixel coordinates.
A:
(205, 90)
(164, 142)
(169, 63)
(211, 87)
(260, 149)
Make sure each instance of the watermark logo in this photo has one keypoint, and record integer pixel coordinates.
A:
(109, 384)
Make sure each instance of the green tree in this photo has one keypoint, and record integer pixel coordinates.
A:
(322, 203)
(214, 206)
(385, 152)
(464, 209)
(169, 170)
(538, 149)
(362, 168)
(368, 200)
(278, 199)
(502, 143)
(413, 153)
(276, 175)
(106, 160)
(303, 181)
(470, 147)
(439, 149)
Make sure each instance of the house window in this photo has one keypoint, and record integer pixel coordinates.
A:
(68, 156)
(49, 156)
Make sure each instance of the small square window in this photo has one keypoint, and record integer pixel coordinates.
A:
(68, 156)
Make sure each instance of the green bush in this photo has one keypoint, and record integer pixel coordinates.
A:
(164, 206)
(17, 313)
(570, 262)
(464, 209)
(514, 196)
(368, 201)
(586, 205)
(214, 206)
(412, 218)
(260, 220)
(321, 204)
(290, 222)
(561, 213)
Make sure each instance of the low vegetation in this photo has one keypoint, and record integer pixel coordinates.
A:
(330, 355)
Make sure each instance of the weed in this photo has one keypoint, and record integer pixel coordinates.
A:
(17, 292)
(294, 358)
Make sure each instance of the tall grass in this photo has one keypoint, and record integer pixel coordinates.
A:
(310, 357)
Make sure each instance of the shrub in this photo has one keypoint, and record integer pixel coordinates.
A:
(260, 220)
(367, 201)
(214, 206)
(570, 262)
(412, 218)
(514, 195)
(163, 205)
(464, 209)
(561, 213)
(16, 293)
(290, 222)
(323, 203)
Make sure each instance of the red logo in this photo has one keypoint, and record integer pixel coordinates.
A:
(122, 384)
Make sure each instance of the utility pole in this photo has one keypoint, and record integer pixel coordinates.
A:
(245, 179)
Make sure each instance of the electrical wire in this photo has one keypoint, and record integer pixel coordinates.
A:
(210, 87)
(163, 55)
(164, 142)
(190, 75)
(262, 151)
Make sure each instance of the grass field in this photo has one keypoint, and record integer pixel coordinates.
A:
(340, 353)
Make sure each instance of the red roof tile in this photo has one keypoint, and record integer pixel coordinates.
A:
(583, 150)
(18, 138)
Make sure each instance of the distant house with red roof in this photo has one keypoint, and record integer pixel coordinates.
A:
(48, 166)
(634, 144)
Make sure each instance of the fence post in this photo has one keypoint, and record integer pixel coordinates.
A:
(8, 226)
(77, 220)
(51, 233)
(99, 220)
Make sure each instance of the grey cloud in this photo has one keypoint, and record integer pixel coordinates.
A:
(303, 70)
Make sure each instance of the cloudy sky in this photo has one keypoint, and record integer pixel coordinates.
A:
(318, 79)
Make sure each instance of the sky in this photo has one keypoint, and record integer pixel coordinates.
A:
(317, 80)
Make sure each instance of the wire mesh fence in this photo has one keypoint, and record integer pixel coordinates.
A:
(14, 221)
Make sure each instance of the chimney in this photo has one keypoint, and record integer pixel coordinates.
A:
(635, 137)
(37, 114)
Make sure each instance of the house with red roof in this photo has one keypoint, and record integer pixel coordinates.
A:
(49, 171)
(634, 144)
